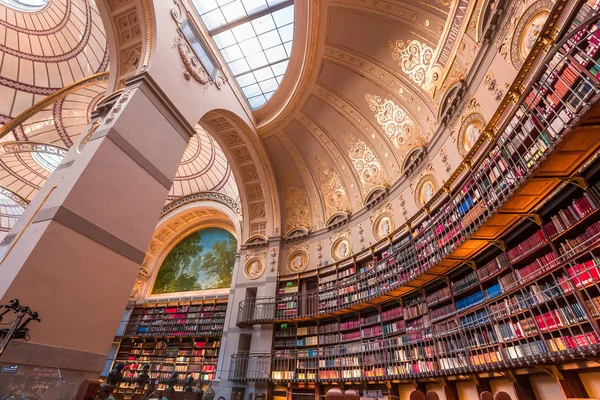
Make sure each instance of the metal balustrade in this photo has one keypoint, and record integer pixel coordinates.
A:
(550, 106)
(462, 345)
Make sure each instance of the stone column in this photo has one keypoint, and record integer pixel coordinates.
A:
(75, 253)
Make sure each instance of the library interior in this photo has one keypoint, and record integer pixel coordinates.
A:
(299, 199)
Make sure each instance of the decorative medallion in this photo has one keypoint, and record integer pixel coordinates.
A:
(254, 268)
(391, 117)
(426, 188)
(414, 58)
(341, 248)
(469, 132)
(297, 261)
(528, 30)
(365, 162)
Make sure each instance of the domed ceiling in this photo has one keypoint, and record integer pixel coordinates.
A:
(42, 52)
(203, 168)
(381, 70)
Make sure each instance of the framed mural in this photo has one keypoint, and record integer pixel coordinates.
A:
(202, 260)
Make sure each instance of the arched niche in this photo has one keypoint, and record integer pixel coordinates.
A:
(252, 170)
(174, 226)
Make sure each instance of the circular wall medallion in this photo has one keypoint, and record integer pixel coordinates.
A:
(341, 248)
(469, 132)
(297, 261)
(254, 268)
(383, 225)
(426, 188)
(528, 30)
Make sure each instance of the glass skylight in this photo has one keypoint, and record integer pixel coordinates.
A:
(255, 39)
(26, 5)
(47, 161)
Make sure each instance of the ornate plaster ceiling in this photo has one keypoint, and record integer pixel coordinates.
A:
(372, 99)
(42, 52)
(203, 168)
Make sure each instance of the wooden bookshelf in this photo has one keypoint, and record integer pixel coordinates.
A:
(171, 337)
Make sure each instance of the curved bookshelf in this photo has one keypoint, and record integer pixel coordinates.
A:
(559, 97)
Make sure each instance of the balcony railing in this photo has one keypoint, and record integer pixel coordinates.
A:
(552, 104)
(545, 323)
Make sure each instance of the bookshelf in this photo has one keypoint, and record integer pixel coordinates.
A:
(529, 296)
(179, 337)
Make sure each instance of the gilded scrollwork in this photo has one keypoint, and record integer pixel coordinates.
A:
(392, 118)
(365, 163)
(414, 57)
(332, 188)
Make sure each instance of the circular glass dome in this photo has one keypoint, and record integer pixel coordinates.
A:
(26, 5)
(46, 160)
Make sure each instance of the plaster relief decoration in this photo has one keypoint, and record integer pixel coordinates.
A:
(402, 201)
(254, 268)
(365, 163)
(273, 253)
(188, 44)
(528, 30)
(88, 135)
(492, 85)
(332, 188)
(119, 105)
(469, 132)
(296, 211)
(414, 58)
(382, 222)
(394, 121)
(298, 258)
(444, 158)
(341, 248)
(425, 186)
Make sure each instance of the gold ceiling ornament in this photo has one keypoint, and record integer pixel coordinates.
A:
(425, 189)
(332, 188)
(365, 163)
(295, 205)
(298, 258)
(392, 118)
(415, 58)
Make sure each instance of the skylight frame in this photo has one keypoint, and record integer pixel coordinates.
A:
(255, 43)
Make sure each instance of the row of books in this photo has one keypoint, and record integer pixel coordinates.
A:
(465, 283)
(527, 246)
(567, 217)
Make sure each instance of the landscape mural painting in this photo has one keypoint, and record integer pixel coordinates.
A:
(200, 261)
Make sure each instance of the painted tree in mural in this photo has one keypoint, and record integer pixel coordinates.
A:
(202, 260)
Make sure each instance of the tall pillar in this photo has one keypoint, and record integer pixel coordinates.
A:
(75, 253)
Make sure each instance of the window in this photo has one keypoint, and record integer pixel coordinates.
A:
(255, 39)
(47, 161)
(25, 5)
(194, 40)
